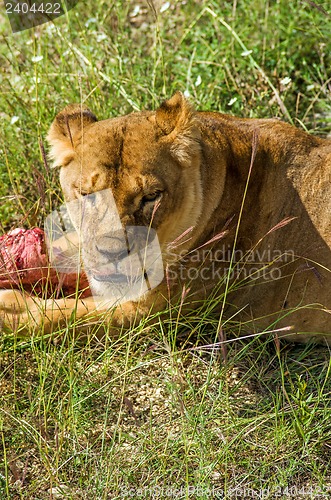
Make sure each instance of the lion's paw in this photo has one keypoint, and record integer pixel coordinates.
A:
(18, 312)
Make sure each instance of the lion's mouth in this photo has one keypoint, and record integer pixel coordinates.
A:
(111, 278)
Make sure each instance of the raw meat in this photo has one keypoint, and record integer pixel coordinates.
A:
(24, 264)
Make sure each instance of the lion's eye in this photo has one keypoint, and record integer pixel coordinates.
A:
(80, 193)
(150, 197)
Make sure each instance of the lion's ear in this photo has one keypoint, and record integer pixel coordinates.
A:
(173, 113)
(65, 130)
(176, 119)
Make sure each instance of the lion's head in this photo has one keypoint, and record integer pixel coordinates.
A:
(147, 164)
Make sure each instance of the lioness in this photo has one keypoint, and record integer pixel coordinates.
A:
(241, 207)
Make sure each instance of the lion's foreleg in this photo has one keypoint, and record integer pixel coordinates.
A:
(25, 314)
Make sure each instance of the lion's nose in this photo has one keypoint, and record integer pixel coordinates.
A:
(114, 249)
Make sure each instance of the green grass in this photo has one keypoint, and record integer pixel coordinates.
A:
(156, 408)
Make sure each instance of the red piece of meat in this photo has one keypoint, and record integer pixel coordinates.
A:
(24, 264)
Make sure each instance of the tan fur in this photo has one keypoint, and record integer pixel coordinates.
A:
(203, 163)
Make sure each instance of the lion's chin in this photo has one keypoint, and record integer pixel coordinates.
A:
(114, 288)
(108, 290)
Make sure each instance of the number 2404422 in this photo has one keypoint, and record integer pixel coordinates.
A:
(25, 8)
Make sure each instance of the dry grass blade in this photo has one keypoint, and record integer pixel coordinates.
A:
(281, 224)
(318, 7)
(178, 241)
